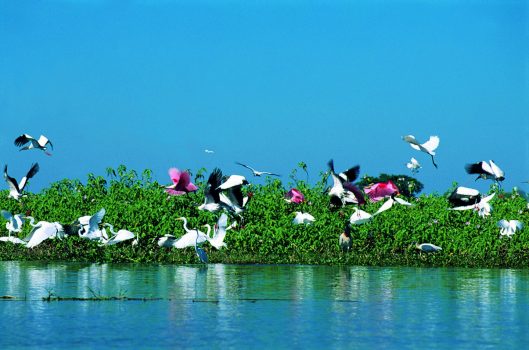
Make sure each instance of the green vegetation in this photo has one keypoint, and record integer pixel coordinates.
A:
(266, 234)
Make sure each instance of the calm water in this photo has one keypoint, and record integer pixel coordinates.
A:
(233, 306)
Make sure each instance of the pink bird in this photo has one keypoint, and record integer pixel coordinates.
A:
(294, 196)
(381, 190)
(181, 183)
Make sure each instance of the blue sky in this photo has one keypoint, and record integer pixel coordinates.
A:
(151, 84)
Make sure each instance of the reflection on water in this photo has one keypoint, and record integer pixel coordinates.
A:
(224, 306)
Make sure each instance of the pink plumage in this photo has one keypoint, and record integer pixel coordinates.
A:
(381, 190)
(181, 183)
(294, 196)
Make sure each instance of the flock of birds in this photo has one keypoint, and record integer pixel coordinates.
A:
(225, 193)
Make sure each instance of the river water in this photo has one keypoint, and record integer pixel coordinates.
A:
(260, 306)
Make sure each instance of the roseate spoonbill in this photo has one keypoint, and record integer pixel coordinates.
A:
(181, 183)
(89, 226)
(428, 147)
(43, 230)
(294, 196)
(14, 222)
(463, 196)
(16, 188)
(42, 143)
(117, 237)
(187, 240)
(345, 240)
(343, 191)
(413, 165)
(381, 190)
(201, 253)
(212, 192)
(257, 172)
(486, 171)
(509, 227)
(427, 247)
(303, 218)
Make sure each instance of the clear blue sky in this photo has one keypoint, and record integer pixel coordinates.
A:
(151, 84)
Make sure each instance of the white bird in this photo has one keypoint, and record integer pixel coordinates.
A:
(89, 226)
(359, 216)
(209, 151)
(16, 188)
(427, 247)
(212, 192)
(257, 172)
(343, 191)
(428, 147)
(43, 230)
(219, 232)
(233, 181)
(482, 207)
(32, 143)
(389, 203)
(117, 237)
(14, 222)
(486, 170)
(303, 218)
(187, 240)
(509, 227)
(14, 240)
(463, 196)
(413, 165)
(231, 197)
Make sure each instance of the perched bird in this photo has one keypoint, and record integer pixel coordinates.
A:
(181, 183)
(32, 143)
(294, 196)
(231, 196)
(187, 240)
(43, 230)
(381, 190)
(256, 172)
(117, 237)
(413, 165)
(89, 226)
(345, 240)
(463, 196)
(16, 188)
(343, 191)
(303, 218)
(212, 192)
(509, 227)
(14, 222)
(428, 147)
(427, 247)
(486, 170)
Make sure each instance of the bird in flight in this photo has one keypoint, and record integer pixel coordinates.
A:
(32, 143)
(257, 172)
(209, 151)
(428, 147)
(413, 165)
(181, 183)
(16, 188)
(486, 171)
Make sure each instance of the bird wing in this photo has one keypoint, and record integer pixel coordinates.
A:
(351, 174)
(22, 140)
(496, 170)
(356, 192)
(11, 182)
(121, 236)
(431, 145)
(387, 204)
(402, 201)
(32, 171)
(174, 174)
(214, 181)
(359, 217)
(412, 142)
(233, 180)
(269, 173)
(95, 220)
(504, 224)
(247, 167)
(488, 198)
(39, 234)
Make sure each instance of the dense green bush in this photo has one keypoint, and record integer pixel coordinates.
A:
(266, 234)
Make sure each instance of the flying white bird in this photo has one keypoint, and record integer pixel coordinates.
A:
(212, 192)
(389, 203)
(428, 147)
(509, 227)
(257, 172)
(209, 151)
(16, 188)
(187, 240)
(482, 207)
(117, 237)
(413, 165)
(303, 218)
(463, 196)
(231, 197)
(14, 222)
(343, 191)
(219, 232)
(427, 247)
(43, 230)
(14, 240)
(89, 226)
(486, 170)
(32, 143)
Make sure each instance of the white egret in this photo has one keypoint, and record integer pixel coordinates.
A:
(413, 165)
(257, 172)
(16, 188)
(89, 226)
(32, 143)
(359, 217)
(117, 237)
(427, 247)
(14, 222)
(14, 240)
(187, 240)
(482, 207)
(509, 227)
(303, 218)
(219, 232)
(486, 170)
(345, 240)
(43, 230)
(428, 147)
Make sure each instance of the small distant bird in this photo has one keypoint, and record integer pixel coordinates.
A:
(181, 183)
(428, 147)
(413, 165)
(345, 238)
(16, 188)
(14, 222)
(427, 247)
(509, 227)
(303, 218)
(486, 170)
(42, 143)
(257, 172)
(294, 196)
(381, 190)
(209, 151)
(463, 196)
(343, 191)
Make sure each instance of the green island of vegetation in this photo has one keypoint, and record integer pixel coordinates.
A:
(266, 234)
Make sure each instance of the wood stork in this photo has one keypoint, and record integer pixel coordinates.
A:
(16, 188)
(294, 196)
(428, 147)
(14, 222)
(212, 192)
(117, 237)
(381, 190)
(231, 196)
(486, 170)
(482, 207)
(427, 247)
(89, 226)
(32, 143)
(303, 218)
(343, 191)
(257, 172)
(345, 240)
(413, 165)
(509, 227)
(463, 196)
(43, 230)
(181, 183)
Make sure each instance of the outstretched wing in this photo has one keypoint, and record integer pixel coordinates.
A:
(22, 140)
(432, 144)
(34, 169)
(11, 182)
(95, 220)
(246, 166)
